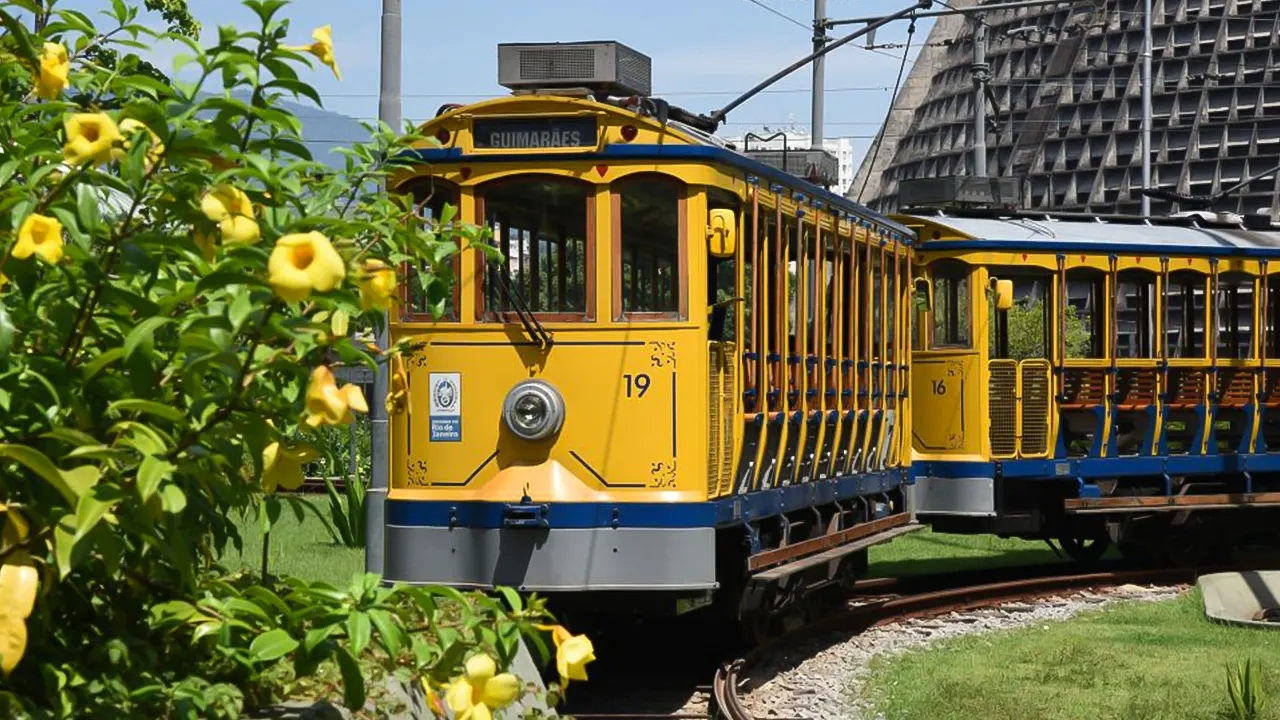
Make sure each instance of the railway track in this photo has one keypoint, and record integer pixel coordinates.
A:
(882, 601)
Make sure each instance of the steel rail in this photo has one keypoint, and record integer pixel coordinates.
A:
(930, 603)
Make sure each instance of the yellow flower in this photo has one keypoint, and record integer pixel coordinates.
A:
(90, 138)
(303, 262)
(322, 48)
(19, 584)
(231, 209)
(573, 652)
(129, 126)
(377, 285)
(54, 66)
(479, 691)
(40, 235)
(282, 467)
(329, 405)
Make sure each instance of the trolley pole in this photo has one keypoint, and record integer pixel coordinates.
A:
(981, 75)
(1146, 106)
(819, 72)
(379, 437)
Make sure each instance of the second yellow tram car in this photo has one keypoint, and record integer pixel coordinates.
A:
(1095, 380)
(686, 377)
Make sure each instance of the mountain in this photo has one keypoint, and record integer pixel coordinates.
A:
(323, 131)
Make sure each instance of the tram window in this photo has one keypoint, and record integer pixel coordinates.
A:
(877, 304)
(1023, 332)
(891, 306)
(430, 196)
(829, 287)
(750, 243)
(1184, 315)
(951, 316)
(540, 224)
(1235, 316)
(1085, 311)
(847, 304)
(773, 291)
(1135, 315)
(649, 229)
(793, 279)
(810, 293)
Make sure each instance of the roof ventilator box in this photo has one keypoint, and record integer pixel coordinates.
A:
(959, 190)
(603, 67)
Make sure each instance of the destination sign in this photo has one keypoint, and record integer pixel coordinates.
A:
(525, 134)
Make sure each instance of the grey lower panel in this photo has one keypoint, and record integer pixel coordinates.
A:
(954, 496)
(553, 560)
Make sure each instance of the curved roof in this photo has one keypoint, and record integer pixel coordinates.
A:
(1172, 236)
(692, 144)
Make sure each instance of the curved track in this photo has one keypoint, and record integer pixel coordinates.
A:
(949, 593)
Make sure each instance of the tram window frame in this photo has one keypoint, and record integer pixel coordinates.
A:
(1029, 287)
(680, 266)
(722, 272)
(1144, 283)
(1235, 343)
(1095, 313)
(953, 296)
(1181, 302)
(508, 316)
(430, 194)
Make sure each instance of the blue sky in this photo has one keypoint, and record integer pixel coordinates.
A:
(704, 52)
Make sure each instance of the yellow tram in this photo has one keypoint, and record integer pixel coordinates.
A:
(1094, 379)
(685, 376)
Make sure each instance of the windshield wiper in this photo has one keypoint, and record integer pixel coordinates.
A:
(531, 324)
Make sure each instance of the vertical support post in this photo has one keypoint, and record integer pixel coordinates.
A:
(379, 437)
(981, 74)
(819, 73)
(1146, 106)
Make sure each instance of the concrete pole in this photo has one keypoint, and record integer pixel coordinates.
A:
(819, 72)
(980, 77)
(1146, 106)
(379, 439)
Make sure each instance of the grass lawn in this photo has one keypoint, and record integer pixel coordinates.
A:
(1135, 660)
(926, 551)
(303, 549)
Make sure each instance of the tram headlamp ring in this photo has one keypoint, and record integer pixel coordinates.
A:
(533, 410)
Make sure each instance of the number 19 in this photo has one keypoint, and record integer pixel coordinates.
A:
(637, 385)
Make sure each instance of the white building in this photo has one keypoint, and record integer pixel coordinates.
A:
(796, 138)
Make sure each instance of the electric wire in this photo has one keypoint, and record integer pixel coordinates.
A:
(893, 99)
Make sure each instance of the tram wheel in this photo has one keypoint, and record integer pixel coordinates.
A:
(1085, 549)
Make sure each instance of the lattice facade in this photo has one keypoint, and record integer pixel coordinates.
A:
(1068, 109)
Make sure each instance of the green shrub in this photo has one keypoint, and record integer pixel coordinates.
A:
(178, 277)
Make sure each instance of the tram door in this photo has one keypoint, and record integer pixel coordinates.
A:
(945, 382)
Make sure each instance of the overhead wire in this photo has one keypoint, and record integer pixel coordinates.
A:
(911, 31)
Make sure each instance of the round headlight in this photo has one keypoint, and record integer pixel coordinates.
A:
(533, 410)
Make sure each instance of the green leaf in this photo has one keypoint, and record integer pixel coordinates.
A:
(174, 611)
(352, 681)
(89, 511)
(151, 473)
(340, 323)
(143, 332)
(93, 367)
(87, 208)
(271, 645)
(444, 669)
(173, 499)
(241, 307)
(513, 598)
(6, 332)
(38, 463)
(388, 631)
(26, 48)
(64, 544)
(358, 631)
(317, 635)
(206, 628)
(147, 406)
